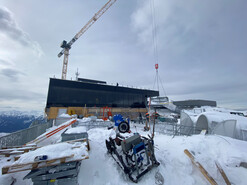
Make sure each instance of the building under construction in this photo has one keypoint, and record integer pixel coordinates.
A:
(91, 97)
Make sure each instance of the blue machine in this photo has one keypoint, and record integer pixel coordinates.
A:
(135, 156)
(121, 123)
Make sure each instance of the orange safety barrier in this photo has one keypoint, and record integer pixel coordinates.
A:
(108, 111)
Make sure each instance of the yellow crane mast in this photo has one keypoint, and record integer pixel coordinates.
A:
(67, 46)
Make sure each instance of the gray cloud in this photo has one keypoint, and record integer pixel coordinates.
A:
(21, 99)
(4, 62)
(202, 47)
(11, 74)
(9, 27)
(9, 107)
(21, 95)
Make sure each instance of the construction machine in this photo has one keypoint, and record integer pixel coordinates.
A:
(131, 151)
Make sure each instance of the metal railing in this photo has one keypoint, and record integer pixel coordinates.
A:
(94, 124)
(176, 129)
(21, 137)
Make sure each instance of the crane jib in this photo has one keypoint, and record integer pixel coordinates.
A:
(67, 46)
(61, 53)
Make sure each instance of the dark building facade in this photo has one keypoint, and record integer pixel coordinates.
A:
(190, 104)
(92, 93)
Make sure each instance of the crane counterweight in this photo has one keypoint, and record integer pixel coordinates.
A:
(65, 45)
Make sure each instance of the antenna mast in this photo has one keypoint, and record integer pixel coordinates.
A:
(77, 74)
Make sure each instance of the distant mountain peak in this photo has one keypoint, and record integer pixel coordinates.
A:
(22, 113)
(11, 121)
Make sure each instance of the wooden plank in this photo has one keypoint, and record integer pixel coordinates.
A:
(26, 150)
(51, 161)
(16, 158)
(40, 164)
(76, 140)
(76, 147)
(23, 149)
(63, 160)
(201, 168)
(222, 172)
(9, 147)
(15, 151)
(23, 164)
(6, 151)
(35, 165)
(7, 169)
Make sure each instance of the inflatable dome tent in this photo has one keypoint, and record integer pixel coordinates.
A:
(222, 124)
(187, 123)
(214, 122)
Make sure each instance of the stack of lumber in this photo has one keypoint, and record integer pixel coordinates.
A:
(76, 150)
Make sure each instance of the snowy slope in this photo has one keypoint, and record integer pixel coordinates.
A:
(176, 168)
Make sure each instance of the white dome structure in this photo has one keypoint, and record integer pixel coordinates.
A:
(187, 123)
(224, 124)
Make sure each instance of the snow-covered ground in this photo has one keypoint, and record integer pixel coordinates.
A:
(3, 134)
(175, 167)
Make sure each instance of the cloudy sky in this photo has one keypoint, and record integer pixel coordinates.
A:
(201, 48)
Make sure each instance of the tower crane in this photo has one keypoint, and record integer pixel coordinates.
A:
(67, 46)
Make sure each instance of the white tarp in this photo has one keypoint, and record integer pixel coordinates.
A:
(214, 120)
(222, 124)
(225, 128)
(187, 125)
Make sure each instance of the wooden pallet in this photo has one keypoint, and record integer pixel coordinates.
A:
(16, 151)
(44, 163)
(7, 152)
(33, 165)
(39, 164)
(79, 140)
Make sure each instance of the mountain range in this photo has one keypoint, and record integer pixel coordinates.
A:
(11, 121)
